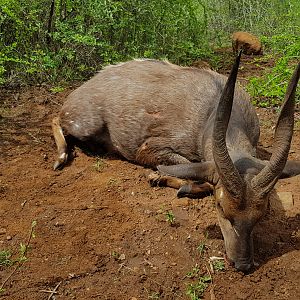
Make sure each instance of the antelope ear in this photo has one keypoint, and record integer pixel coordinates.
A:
(205, 171)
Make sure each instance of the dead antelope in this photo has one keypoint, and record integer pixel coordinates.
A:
(246, 41)
(156, 113)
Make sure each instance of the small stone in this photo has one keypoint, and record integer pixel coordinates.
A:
(179, 202)
(9, 237)
(59, 224)
(286, 199)
(143, 278)
(122, 257)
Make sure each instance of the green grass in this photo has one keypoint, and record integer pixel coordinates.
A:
(170, 217)
(269, 89)
(218, 265)
(5, 260)
(99, 164)
(6, 256)
(57, 89)
(202, 247)
(113, 182)
(194, 273)
(196, 290)
(154, 295)
(297, 124)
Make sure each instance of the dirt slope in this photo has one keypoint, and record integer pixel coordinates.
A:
(101, 230)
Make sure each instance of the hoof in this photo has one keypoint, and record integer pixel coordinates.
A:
(154, 179)
(58, 165)
(184, 191)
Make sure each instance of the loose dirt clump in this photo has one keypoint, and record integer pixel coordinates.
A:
(103, 233)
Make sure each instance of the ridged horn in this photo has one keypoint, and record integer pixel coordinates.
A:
(229, 175)
(263, 182)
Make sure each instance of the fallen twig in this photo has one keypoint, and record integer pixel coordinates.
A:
(37, 140)
(54, 290)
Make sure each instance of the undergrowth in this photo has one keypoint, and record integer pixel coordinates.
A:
(8, 260)
(58, 42)
(269, 90)
(196, 290)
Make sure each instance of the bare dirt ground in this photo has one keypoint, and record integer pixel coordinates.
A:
(102, 231)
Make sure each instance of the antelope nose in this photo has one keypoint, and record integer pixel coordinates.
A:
(244, 267)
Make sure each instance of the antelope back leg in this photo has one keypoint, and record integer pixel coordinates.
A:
(154, 152)
(60, 143)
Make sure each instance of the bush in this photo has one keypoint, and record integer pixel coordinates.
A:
(65, 40)
(270, 88)
(71, 39)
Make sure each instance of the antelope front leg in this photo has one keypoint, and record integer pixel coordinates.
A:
(185, 188)
(156, 179)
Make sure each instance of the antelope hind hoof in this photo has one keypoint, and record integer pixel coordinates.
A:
(62, 159)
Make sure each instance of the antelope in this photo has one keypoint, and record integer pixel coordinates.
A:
(193, 125)
(246, 41)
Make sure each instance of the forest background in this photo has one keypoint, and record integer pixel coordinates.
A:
(57, 42)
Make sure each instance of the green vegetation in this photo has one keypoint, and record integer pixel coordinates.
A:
(7, 261)
(194, 273)
(170, 217)
(195, 290)
(113, 182)
(269, 90)
(115, 255)
(57, 89)
(5, 258)
(51, 40)
(218, 265)
(154, 295)
(59, 41)
(100, 164)
(202, 246)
